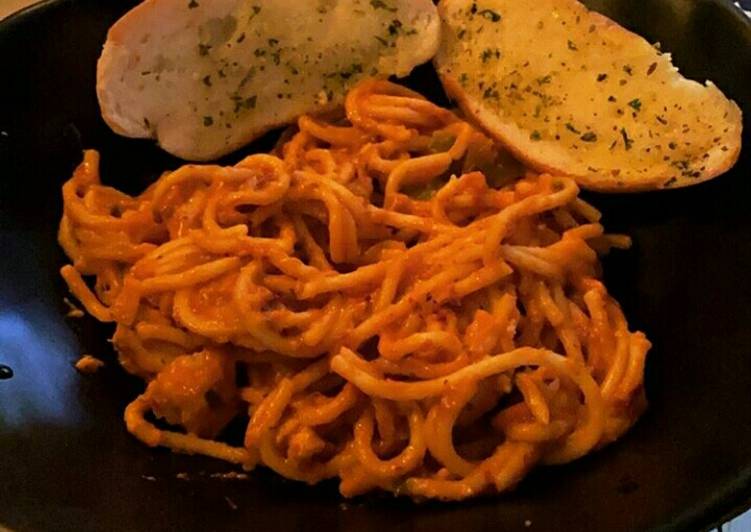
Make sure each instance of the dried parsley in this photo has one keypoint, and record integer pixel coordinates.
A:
(491, 93)
(589, 136)
(243, 103)
(488, 54)
(627, 142)
(490, 15)
(635, 104)
(380, 4)
(545, 79)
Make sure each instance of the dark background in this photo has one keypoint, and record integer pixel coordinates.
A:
(67, 463)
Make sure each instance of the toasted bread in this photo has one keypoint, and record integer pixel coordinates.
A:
(569, 91)
(205, 77)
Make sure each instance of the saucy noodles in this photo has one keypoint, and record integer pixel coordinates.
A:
(383, 301)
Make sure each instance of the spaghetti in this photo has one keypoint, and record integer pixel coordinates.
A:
(383, 304)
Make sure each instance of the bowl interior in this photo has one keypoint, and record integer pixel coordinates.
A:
(69, 463)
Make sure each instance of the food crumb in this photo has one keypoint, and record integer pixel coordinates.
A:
(88, 364)
(527, 523)
(149, 478)
(74, 311)
(182, 476)
(230, 502)
(232, 475)
(322, 98)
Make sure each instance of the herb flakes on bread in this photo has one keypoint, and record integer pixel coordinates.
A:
(569, 91)
(205, 77)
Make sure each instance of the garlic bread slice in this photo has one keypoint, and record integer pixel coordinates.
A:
(571, 92)
(205, 77)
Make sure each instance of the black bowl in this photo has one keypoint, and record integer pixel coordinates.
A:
(67, 463)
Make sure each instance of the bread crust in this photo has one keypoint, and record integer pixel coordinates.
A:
(555, 157)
